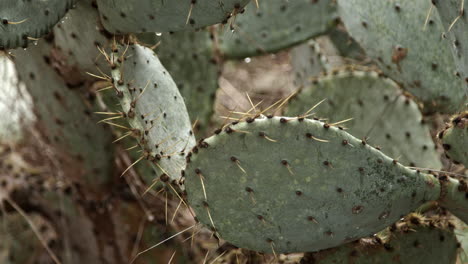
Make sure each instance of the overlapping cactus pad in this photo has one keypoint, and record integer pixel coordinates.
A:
(153, 107)
(455, 139)
(453, 15)
(408, 46)
(292, 184)
(183, 52)
(415, 240)
(17, 236)
(275, 25)
(380, 112)
(122, 16)
(23, 21)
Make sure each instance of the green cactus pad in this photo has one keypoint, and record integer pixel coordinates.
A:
(19, 244)
(80, 36)
(425, 243)
(64, 117)
(412, 53)
(455, 19)
(307, 62)
(455, 139)
(295, 185)
(346, 45)
(462, 236)
(154, 108)
(189, 58)
(275, 25)
(23, 20)
(379, 110)
(122, 16)
(454, 196)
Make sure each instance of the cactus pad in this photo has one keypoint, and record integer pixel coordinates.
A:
(393, 33)
(295, 185)
(379, 110)
(425, 242)
(455, 139)
(122, 16)
(454, 196)
(19, 244)
(456, 24)
(22, 21)
(65, 118)
(183, 52)
(275, 25)
(80, 35)
(308, 61)
(154, 108)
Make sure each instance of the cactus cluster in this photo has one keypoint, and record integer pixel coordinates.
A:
(364, 162)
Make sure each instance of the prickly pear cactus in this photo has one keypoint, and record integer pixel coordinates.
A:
(392, 32)
(462, 236)
(276, 25)
(24, 21)
(455, 139)
(80, 37)
(20, 245)
(154, 108)
(345, 44)
(425, 241)
(380, 112)
(121, 16)
(308, 61)
(66, 119)
(293, 185)
(452, 14)
(183, 52)
(453, 196)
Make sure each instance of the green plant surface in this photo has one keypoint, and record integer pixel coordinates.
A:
(454, 194)
(427, 242)
(275, 25)
(296, 185)
(380, 112)
(23, 21)
(65, 118)
(308, 61)
(19, 244)
(154, 109)
(453, 15)
(455, 139)
(408, 47)
(80, 37)
(122, 16)
(189, 57)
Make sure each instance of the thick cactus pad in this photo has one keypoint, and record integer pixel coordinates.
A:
(153, 107)
(346, 45)
(453, 15)
(454, 196)
(80, 36)
(23, 21)
(275, 25)
(65, 118)
(307, 62)
(379, 110)
(424, 242)
(189, 58)
(18, 243)
(293, 185)
(455, 139)
(122, 16)
(407, 49)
